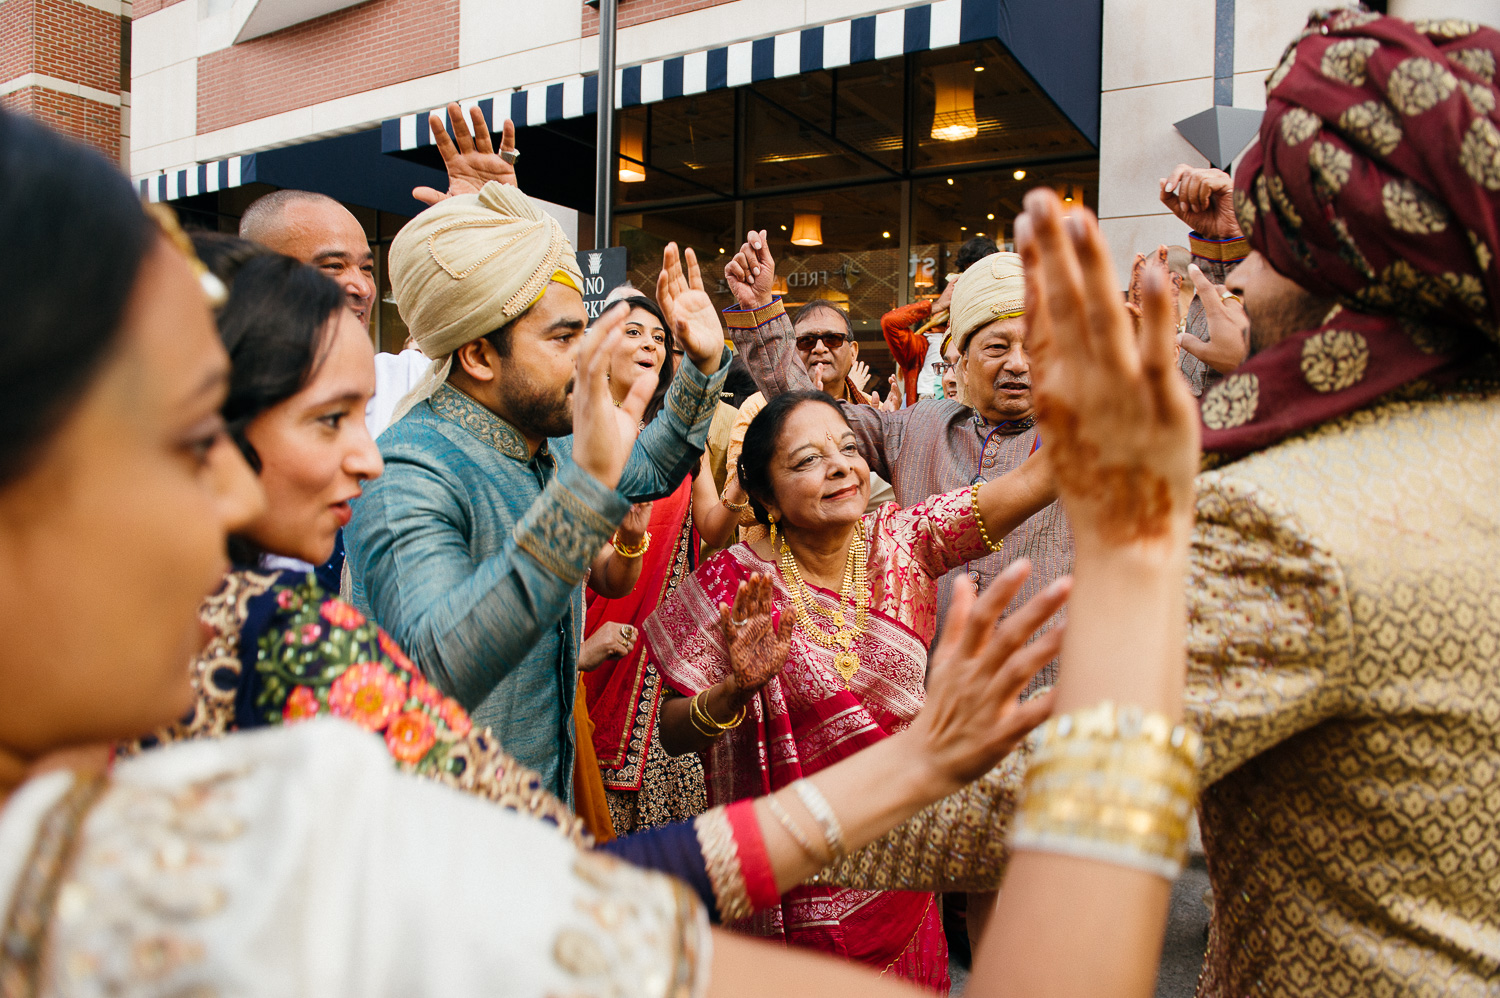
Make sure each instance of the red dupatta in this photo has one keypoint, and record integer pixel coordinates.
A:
(624, 694)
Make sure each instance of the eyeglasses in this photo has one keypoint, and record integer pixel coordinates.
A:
(832, 341)
(942, 367)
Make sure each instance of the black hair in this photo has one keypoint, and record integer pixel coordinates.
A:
(973, 251)
(668, 365)
(74, 236)
(500, 339)
(275, 325)
(761, 439)
(823, 305)
(739, 383)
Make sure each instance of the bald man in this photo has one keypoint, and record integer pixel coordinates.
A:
(317, 230)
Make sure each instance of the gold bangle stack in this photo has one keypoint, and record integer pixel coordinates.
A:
(1112, 784)
(706, 725)
(639, 549)
(984, 535)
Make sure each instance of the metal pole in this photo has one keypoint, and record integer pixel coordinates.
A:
(604, 178)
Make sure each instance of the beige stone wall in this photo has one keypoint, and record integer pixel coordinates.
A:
(1158, 68)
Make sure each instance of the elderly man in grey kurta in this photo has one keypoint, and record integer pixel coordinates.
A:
(472, 548)
(937, 445)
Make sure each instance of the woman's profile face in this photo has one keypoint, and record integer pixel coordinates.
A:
(111, 540)
(817, 474)
(315, 450)
(642, 349)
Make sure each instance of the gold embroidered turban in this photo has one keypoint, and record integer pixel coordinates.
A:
(992, 288)
(468, 266)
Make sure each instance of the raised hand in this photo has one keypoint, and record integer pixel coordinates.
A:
(1119, 426)
(689, 310)
(604, 433)
(859, 373)
(1157, 259)
(972, 718)
(469, 156)
(757, 651)
(751, 273)
(633, 527)
(1228, 341)
(1203, 198)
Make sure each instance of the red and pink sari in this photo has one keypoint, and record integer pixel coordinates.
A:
(805, 719)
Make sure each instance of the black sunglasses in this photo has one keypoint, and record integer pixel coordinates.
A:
(832, 341)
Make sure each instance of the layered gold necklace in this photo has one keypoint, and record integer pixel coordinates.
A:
(855, 592)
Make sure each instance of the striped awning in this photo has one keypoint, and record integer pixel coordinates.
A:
(201, 178)
(859, 39)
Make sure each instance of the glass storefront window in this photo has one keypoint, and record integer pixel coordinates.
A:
(975, 104)
(709, 230)
(948, 211)
(681, 148)
(832, 125)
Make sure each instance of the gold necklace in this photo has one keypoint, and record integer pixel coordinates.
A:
(855, 591)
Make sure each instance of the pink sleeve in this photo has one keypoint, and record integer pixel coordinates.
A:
(940, 534)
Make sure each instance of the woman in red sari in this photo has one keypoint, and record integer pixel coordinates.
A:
(644, 787)
(863, 591)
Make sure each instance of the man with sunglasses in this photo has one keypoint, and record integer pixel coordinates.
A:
(825, 343)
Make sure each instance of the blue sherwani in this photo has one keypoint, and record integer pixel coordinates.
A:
(471, 553)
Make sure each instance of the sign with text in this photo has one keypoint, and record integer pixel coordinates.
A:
(603, 271)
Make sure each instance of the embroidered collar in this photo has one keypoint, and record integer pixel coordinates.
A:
(459, 409)
(1008, 428)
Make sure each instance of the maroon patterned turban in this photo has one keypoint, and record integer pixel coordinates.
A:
(1376, 182)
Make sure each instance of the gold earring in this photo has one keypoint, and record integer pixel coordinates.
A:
(772, 518)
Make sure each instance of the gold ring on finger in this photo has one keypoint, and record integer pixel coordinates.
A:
(1226, 295)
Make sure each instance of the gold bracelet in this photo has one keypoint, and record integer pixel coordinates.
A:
(710, 733)
(817, 805)
(631, 552)
(779, 813)
(738, 507)
(984, 535)
(705, 722)
(1110, 784)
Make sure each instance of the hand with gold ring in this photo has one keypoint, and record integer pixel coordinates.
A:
(1228, 341)
(612, 640)
(469, 154)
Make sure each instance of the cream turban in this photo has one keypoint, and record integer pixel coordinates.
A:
(469, 265)
(992, 288)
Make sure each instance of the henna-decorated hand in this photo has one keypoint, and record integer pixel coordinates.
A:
(757, 651)
(1119, 426)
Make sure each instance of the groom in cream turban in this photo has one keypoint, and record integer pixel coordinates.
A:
(937, 445)
(472, 548)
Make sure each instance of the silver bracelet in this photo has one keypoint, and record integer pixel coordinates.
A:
(780, 814)
(817, 805)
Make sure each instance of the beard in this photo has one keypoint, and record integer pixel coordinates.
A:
(1283, 315)
(538, 411)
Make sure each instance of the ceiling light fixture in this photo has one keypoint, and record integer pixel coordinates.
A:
(1019, 174)
(953, 118)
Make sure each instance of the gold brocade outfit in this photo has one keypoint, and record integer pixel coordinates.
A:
(1344, 669)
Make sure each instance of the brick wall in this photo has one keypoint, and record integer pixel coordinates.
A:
(346, 52)
(143, 7)
(641, 11)
(68, 41)
(95, 123)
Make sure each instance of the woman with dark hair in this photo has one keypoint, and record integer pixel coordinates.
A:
(654, 549)
(863, 590)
